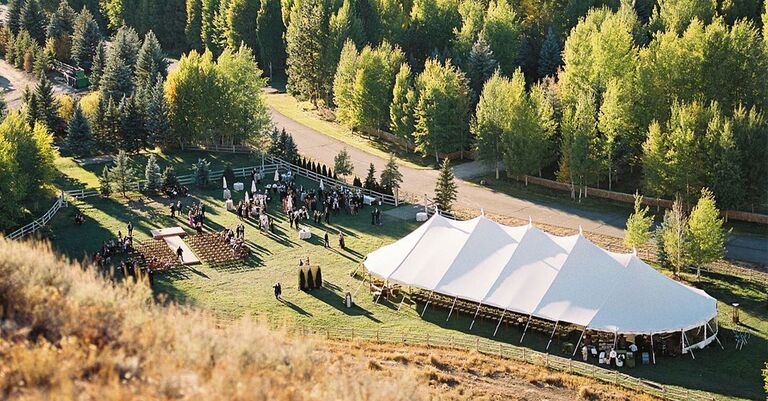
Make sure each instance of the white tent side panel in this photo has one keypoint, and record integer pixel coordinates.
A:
(646, 301)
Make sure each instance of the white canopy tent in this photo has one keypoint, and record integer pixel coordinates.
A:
(530, 272)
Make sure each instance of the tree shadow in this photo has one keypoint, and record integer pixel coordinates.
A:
(334, 300)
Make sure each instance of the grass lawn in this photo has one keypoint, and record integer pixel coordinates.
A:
(245, 289)
(288, 106)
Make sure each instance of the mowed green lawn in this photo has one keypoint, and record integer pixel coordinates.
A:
(245, 288)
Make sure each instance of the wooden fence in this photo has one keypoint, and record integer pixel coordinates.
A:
(39, 222)
(508, 351)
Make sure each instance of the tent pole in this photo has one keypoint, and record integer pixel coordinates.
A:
(475, 317)
(615, 338)
(579, 342)
(401, 302)
(501, 319)
(359, 286)
(427, 304)
(452, 306)
(551, 336)
(653, 350)
(380, 292)
(716, 339)
(690, 349)
(526, 328)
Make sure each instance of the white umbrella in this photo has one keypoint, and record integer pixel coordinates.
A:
(277, 176)
(247, 198)
(224, 179)
(253, 186)
(321, 184)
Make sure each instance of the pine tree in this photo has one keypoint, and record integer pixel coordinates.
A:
(706, 236)
(446, 189)
(391, 177)
(34, 20)
(638, 225)
(132, 130)
(152, 175)
(480, 67)
(169, 180)
(306, 51)
(151, 63)
(342, 163)
(97, 65)
(79, 139)
(403, 100)
(675, 237)
(290, 149)
(47, 105)
(370, 179)
(550, 56)
(202, 171)
(158, 125)
(86, 40)
(122, 173)
(126, 44)
(105, 183)
(116, 81)
(60, 30)
(270, 33)
(13, 15)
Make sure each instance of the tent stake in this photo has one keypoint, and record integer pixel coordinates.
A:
(427, 304)
(551, 336)
(451, 311)
(526, 328)
(578, 342)
(475, 317)
(653, 350)
(501, 319)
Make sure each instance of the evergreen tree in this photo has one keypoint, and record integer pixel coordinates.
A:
(727, 180)
(391, 177)
(116, 81)
(291, 151)
(675, 237)
(208, 35)
(202, 171)
(480, 67)
(550, 57)
(60, 30)
(445, 189)
(121, 173)
(13, 15)
(342, 163)
(442, 110)
(157, 122)
(152, 175)
(132, 130)
(169, 180)
(403, 101)
(34, 20)
(108, 125)
(370, 179)
(229, 173)
(306, 51)
(79, 139)
(126, 45)
(706, 236)
(151, 63)
(638, 225)
(47, 105)
(270, 33)
(105, 183)
(241, 24)
(97, 66)
(86, 41)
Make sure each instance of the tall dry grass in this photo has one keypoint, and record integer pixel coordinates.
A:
(66, 334)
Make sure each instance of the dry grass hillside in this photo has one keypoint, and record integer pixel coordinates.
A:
(66, 334)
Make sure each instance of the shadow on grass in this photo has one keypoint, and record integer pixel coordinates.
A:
(295, 307)
(333, 299)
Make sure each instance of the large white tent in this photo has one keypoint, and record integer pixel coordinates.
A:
(528, 271)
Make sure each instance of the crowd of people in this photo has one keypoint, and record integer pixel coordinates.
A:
(122, 245)
(234, 239)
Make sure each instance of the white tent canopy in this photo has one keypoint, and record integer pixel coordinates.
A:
(525, 270)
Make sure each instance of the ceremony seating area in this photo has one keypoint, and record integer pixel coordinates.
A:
(156, 255)
(210, 248)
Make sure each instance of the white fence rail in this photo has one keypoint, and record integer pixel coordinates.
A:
(510, 352)
(39, 222)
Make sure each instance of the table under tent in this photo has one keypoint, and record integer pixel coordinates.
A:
(538, 280)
